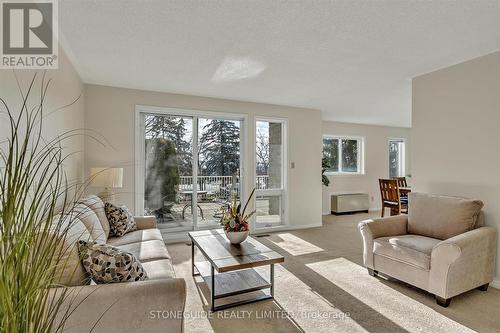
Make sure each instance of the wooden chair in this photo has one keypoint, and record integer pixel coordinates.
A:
(391, 198)
(401, 181)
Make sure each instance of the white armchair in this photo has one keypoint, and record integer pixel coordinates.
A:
(441, 246)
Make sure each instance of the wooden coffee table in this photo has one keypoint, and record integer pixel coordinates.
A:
(234, 265)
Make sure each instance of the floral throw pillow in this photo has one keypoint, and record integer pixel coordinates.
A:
(120, 220)
(108, 264)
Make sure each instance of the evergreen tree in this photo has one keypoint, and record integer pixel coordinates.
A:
(159, 127)
(220, 148)
(183, 145)
(173, 129)
(162, 173)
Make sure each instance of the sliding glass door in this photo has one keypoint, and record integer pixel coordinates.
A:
(270, 170)
(168, 169)
(189, 168)
(218, 173)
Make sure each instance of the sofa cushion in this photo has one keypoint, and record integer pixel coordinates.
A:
(120, 220)
(108, 264)
(413, 250)
(91, 222)
(146, 251)
(441, 217)
(95, 203)
(70, 269)
(136, 236)
(159, 269)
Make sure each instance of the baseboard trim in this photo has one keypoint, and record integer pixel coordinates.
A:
(287, 228)
(182, 237)
(376, 209)
(495, 283)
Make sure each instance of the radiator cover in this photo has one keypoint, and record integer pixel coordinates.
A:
(349, 203)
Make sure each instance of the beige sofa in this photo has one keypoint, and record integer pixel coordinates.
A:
(154, 305)
(441, 246)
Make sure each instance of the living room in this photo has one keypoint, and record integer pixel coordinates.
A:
(169, 153)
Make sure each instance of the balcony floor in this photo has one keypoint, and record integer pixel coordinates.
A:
(211, 215)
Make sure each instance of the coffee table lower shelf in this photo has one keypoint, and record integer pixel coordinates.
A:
(233, 283)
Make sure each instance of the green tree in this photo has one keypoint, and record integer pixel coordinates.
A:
(174, 129)
(162, 173)
(220, 148)
(331, 153)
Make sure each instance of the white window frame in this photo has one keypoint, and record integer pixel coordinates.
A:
(283, 191)
(361, 154)
(402, 166)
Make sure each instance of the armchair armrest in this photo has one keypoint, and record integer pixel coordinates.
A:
(145, 222)
(383, 227)
(126, 307)
(463, 262)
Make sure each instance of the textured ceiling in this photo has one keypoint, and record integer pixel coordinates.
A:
(353, 60)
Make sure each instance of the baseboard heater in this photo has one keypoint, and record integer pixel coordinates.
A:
(349, 203)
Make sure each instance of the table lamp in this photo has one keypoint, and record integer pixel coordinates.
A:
(109, 178)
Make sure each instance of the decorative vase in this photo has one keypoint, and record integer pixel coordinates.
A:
(236, 237)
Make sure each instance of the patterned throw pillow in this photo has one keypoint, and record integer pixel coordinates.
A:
(108, 264)
(120, 220)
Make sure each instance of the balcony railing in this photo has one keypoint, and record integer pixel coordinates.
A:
(213, 184)
(213, 193)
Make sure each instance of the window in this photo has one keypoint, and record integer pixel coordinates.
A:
(396, 158)
(189, 165)
(270, 148)
(343, 154)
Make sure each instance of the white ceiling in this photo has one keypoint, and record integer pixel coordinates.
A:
(353, 60)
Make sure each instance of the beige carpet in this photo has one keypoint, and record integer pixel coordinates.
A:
(323, 287)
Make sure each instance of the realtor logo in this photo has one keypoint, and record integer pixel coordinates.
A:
(29, 34)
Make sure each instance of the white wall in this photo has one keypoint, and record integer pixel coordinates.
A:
(110, 111)
(376, 160)
(64, 89)
(456, 136)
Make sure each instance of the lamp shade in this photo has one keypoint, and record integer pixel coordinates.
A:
(106, 177)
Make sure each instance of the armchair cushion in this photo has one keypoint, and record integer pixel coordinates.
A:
(412, 250)
(376, 228)
(441, 217)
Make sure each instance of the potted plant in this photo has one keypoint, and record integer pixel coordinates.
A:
(235, 222)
